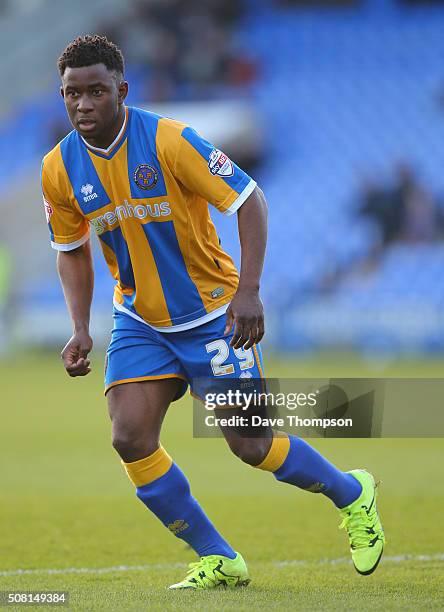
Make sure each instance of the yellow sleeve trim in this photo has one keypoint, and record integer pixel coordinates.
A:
(277, 454)
(151, 468)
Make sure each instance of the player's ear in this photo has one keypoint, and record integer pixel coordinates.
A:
(122, 91)
(62, 93)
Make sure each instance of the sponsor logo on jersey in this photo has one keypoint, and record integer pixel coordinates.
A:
(48, 210)
(104, 222)
(220, 164)
(88, 192)
(145, 176)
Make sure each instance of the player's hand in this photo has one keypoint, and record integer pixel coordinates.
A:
(246, 313)
(75, 354)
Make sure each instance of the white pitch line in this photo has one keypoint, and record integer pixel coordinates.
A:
(168, 566)
(347, 560)
(92, 570)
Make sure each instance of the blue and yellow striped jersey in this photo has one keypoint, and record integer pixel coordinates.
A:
(146, 197)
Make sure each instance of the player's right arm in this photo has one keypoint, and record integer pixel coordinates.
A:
(76, 274)
(69, 233)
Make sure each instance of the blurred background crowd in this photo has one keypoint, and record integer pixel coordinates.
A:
(342, 106)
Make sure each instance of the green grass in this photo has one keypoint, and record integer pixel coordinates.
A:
(66, 503)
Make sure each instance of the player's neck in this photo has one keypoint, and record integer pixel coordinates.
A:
(110, 137)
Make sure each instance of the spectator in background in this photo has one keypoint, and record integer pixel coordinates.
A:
(384, 206)
(404, 212)
(420, 222)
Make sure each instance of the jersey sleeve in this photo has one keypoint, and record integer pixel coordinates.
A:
(207, 171)
(68, 228)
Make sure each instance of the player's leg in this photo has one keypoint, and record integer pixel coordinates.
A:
(290, 459)
(295, 462)
(137, 411)
(142, 378)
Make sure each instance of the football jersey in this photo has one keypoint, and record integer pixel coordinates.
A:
(146, 197)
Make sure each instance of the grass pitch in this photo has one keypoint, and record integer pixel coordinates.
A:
(69, 518)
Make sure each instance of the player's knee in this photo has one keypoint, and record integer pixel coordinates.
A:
(132, 446)
(249, 450)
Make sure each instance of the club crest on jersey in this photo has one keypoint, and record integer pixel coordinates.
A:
(220, 164)
(88, 192)
(145, 176)
(48, 210)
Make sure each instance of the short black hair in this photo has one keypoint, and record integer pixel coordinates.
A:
(89, 50)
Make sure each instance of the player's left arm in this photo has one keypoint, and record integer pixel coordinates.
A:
(208, 172)
(245, 311)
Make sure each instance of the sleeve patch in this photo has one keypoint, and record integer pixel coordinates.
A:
(220, 164)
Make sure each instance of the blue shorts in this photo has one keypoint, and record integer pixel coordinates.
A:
(137, 353)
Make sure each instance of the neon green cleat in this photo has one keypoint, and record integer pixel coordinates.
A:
(361, 520)
(215, 571)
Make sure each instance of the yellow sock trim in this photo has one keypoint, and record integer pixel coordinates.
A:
(277, 454)
(144, 471)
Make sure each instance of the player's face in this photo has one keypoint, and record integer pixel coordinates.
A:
(94, 99)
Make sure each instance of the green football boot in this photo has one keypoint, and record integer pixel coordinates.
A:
(215, 571)
(361, 520)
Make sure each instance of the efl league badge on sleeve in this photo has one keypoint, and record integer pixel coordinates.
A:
(220, 164)
(145, 176)
(48, 210)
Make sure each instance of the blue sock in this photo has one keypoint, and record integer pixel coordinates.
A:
(164, 489)
(294, 461)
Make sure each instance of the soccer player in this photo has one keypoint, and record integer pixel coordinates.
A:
(143, 183)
